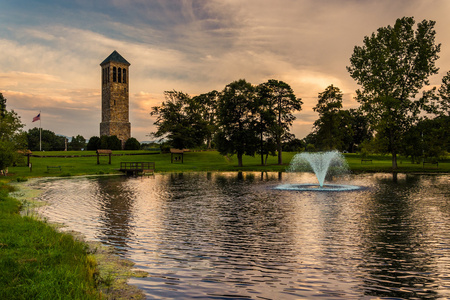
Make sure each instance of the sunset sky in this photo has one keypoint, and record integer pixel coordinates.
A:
(51, 51)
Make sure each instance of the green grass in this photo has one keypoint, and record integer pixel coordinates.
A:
(72, 164)
(37, 262)
(383, 163)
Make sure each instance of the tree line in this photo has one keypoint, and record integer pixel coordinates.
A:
(242, 119)
(392, 66)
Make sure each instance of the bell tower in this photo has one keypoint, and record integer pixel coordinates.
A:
(115, 98)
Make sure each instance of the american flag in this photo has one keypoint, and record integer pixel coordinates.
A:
(37, 118)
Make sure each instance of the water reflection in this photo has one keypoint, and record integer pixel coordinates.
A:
(398, 242)
(116, 203)
(230, 235)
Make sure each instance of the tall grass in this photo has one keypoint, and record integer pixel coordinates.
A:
(37, 262)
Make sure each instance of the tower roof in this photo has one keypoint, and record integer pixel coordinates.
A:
(115, 57)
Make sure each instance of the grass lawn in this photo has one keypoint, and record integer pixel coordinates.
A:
(73, 164)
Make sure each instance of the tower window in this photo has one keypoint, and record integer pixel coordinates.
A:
(124, 75)
(120, 75)
(103, 76)
(114, 74)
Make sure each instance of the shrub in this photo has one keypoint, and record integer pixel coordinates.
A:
(132, 144)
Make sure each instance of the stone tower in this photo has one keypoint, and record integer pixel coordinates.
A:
(115, 100)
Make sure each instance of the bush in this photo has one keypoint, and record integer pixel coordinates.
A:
(94, 143)
(110, 142)
(132, 144)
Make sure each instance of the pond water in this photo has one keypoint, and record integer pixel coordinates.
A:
(233, 236)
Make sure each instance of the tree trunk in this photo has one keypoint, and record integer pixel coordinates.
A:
(239, 156)
(209, 142)
(394, 160)
(280, 158)
(262, 149)
(393, 150)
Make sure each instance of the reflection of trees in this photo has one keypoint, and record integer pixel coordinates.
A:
(255, 227)
(223, 221)
(116, 202)
(397, 253)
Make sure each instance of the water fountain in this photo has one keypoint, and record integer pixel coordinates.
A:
(323, 164)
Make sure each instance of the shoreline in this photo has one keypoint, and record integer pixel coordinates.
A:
(113, 270)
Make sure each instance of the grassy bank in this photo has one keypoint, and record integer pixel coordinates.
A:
(72, 163)
(37, 262)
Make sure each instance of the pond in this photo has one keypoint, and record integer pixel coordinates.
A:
(233, 236)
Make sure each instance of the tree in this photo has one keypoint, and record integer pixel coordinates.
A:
(179, 119)
(77, 143)
(328, 127)
(50, 141)
(360, 130)
(132, 144)
(283, 103)
(2, 105)
(294, 145)
(206, 104)
(236, 120)
(444, 93)
(111, 142)
(93, 143)
(12, 138)
(391, 67)
(265, 120)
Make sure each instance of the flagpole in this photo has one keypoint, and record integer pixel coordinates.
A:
(40, 132)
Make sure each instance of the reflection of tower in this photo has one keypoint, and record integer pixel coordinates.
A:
(115, 100)
(116, 202)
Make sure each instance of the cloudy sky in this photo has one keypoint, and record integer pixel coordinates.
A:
(50, 51)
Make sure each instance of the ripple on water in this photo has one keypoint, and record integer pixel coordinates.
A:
(223, 235)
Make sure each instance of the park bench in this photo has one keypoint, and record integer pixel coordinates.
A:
(364, 160)
(49, 168)
(431, 163)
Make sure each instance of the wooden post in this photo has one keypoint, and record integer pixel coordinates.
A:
(98, 158)
(110, 157)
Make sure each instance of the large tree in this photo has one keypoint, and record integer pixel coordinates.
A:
(328, 126)
(265, 120)
(391, 67)
(50, 141)
(77, 143)
(236, 119)
(180, 120)
(444, 93)
(12, 138)
(282, 104)
(205, 105)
